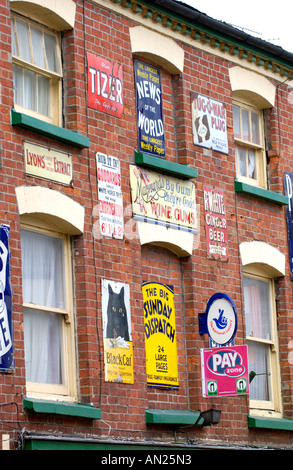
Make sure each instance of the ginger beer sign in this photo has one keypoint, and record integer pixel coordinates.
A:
(160, 335)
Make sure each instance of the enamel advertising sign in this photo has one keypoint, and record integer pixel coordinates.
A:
(160, 335)
(105, 85)
(288, 184)
(151, 134)
(209, 123)
(225, 371)
(6, 333)
(216, 223)
(163, 200)
(110, 196)
(47, 163)
(118, 353)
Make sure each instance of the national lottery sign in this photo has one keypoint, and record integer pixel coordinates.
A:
(160, 335)
(151, 134)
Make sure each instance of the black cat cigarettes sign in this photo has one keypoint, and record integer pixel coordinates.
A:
(118, 353)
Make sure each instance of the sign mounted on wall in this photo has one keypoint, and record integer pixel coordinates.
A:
(219, 319)
(105, 85)
(118, 353)
(225, 371)
(160, 335)
(163, 200)
(288, 184)
(209, 123)
(6, 333)
(216, 223)
(47, 163)
(110, 196)
(151, 134)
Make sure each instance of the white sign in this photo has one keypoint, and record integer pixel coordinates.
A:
(110, 196)
(209, 123)
(221, 319)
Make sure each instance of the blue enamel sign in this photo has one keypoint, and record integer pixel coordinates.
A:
(288, 184)
(6, 334)
(151, 134)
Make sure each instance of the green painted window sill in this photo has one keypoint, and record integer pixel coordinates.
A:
(49, 130)
(62, 408)
(162, 165)
(179, 417)
(260, 193)
(270, 423)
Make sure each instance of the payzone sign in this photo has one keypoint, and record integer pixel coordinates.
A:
(225, 371)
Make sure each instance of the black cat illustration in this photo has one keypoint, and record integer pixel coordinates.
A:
(117, 324)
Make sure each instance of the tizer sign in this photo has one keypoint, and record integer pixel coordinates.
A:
(225, 371)
(105, 85)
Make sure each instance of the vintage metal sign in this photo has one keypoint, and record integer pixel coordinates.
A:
(219, 320)
(216, 223)
(151, 134)
(118, 352)
(163, 200)
(105, 85)
(47, 163)
(209, 123)
(225, 371)
(288, 184)
(160, 335)
(110, 196)
(6, 331)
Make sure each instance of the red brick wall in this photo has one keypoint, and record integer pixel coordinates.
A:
(194, 278)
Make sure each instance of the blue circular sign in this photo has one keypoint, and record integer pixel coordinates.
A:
(221, 319)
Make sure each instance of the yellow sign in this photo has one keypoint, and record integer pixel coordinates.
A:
(163, 200)
(118, 353)
(160, 335)
(47, 163)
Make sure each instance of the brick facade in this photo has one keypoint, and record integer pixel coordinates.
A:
(102, 28)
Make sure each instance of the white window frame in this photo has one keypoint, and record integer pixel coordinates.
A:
(259, 149)
(271, 408)
(68, 391)
(55, 78)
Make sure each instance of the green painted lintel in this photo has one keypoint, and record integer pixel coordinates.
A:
(62, 408)
(261, 193)
(179, 417)
(49, 130)
(270, 423)
(164, 166)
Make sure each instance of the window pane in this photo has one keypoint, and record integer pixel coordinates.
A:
(236, 122)
(258, 360)
(18, 85)
(241, 155)
(43, 347)
(251, 164)
(255, 128)
(14, 48)
(43, 95)
(38, 49)
(51, 53)
(30, 90)
(43, 269)
(23, 41)
(245, 125)
(257, 308)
